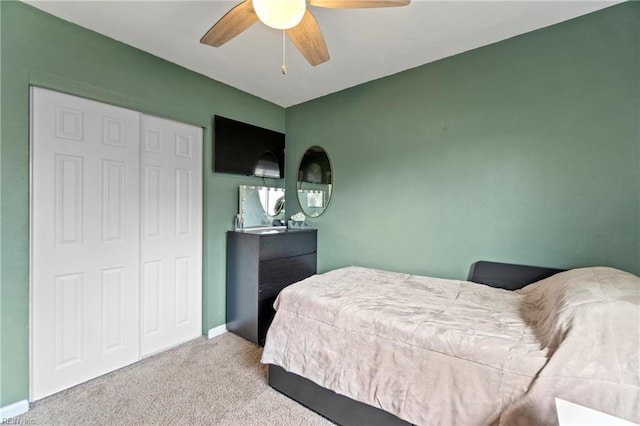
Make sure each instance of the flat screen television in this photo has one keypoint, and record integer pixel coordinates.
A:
(245, 149)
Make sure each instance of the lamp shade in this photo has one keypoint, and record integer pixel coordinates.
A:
(280, 14)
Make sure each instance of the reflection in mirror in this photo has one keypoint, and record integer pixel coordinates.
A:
(314, 181)
(267, 166)
(261, 206)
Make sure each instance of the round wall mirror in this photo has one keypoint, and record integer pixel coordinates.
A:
(315, 182)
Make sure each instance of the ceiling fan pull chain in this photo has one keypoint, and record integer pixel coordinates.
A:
(284, 66)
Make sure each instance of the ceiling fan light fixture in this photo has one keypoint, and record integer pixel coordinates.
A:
(280, 14)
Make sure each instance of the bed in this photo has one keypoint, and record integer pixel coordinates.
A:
(364, 346)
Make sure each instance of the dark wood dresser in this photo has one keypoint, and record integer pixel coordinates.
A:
(259, 265)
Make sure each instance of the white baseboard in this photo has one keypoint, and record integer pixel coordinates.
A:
(216, 331)
(14, 410)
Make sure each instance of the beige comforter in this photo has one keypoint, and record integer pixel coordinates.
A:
(434, 351)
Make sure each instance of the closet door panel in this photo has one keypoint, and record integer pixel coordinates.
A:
(171, 246)
(84, 240)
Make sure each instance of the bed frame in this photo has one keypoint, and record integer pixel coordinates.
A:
(348, 412)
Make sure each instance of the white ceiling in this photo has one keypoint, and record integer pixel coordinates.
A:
(364, 44)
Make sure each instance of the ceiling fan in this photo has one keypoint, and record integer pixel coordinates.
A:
(293, 16)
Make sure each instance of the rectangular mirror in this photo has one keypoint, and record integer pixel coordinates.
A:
(261, 206)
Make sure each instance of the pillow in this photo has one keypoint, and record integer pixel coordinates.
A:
(551, 304)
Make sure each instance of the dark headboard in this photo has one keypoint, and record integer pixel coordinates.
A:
(508, 276)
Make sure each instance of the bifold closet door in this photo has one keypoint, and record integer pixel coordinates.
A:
(116, 238)
(84, 240)
(171, 232)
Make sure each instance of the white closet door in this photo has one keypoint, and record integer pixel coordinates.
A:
(84, 240)
(171, 225)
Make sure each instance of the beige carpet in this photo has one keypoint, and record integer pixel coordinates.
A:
(207, 382)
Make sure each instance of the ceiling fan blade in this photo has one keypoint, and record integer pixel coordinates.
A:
(357, 4)
(308, 39)
(231, 24)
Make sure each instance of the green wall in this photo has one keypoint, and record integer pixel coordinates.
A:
(39, 49)
(525, 151)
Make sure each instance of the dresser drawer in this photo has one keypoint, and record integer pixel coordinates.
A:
(288, 244)
(274, 275)
(265, 317)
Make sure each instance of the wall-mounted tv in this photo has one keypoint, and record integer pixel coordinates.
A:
(245, 149)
